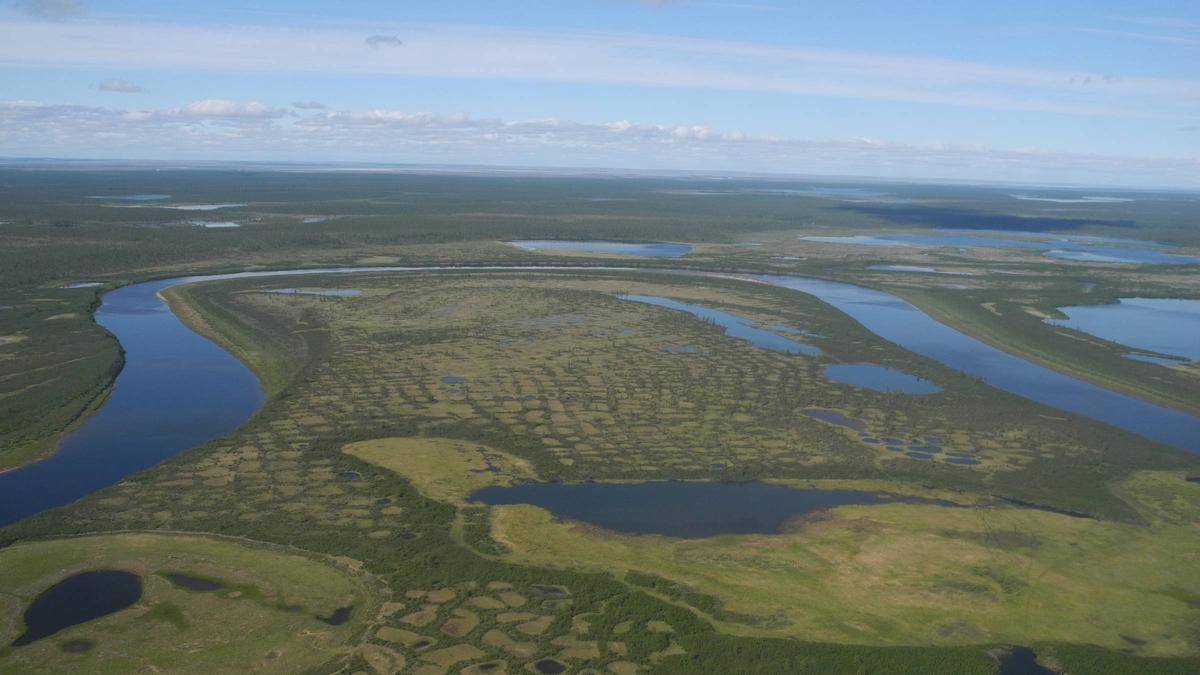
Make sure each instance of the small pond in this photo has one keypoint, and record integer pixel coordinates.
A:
(79, 599)
(192, 583)
(339, 616)
(549, 667)
(1166, 326)
(879, 378)
(1022, 661)
(647, 250)
(684, 509)
(735, 326)
(214, 224)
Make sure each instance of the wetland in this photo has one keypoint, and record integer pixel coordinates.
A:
(339, 474)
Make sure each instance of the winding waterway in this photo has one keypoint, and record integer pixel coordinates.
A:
(178, 389)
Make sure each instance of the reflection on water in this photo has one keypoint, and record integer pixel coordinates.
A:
(899, 322)
(735, 326)
(1166, 326)
(684, 509)
(879, 378)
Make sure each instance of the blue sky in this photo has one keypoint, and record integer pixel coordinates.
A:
(1066, 92)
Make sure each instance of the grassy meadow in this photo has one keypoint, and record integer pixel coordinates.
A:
(264, 618)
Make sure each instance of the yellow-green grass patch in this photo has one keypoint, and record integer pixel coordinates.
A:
(904, 574)
(445, 469)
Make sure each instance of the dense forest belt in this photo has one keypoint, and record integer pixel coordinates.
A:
(1011, 327)
(56, 368)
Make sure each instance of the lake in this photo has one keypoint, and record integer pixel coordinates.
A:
(1164, 326)
(685, 509)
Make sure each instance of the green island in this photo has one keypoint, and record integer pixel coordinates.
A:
(341, 529)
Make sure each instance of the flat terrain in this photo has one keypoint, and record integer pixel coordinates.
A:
(387, 410)
(264, 617)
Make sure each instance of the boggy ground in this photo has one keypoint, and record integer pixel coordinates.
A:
(265, 616)
(571, 383)
(584, 386)
(883, 574)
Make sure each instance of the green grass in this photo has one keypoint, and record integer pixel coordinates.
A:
(915, 575)
(175, 630)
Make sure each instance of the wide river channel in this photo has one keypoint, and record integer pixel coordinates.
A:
(178, 389)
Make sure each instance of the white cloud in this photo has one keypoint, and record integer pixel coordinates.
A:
(595, 57)
(119, 86)
(216, 129)
(219, 109)
(308, 105)
(55, 10)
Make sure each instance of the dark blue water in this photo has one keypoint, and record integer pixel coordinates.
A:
(735, 326)
(879, 378)
(1163, 325)
(339, 616)
(79, 599)
(684, 509)
(655, 250)
(192, 583)
(897, 321)
(177, 390)
(1022, 661)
